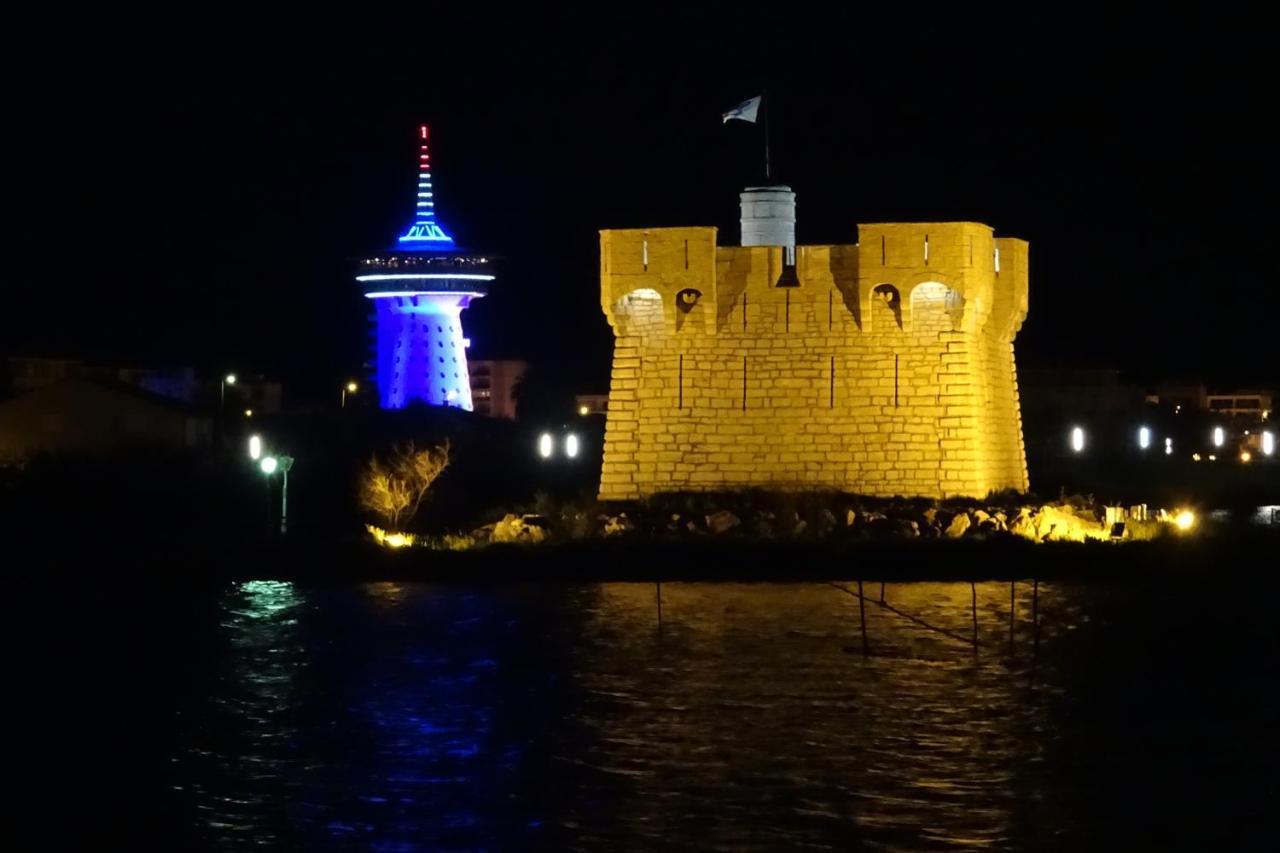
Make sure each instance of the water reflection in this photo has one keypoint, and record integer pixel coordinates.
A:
(739, 716)
(918, 744)
(244, 749)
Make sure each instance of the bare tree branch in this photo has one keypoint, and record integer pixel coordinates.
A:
(395, 490)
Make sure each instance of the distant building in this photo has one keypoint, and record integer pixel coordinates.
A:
(96, 416)
(1193, 396)
(28, 374)
(493, 384)
(177, 383)
(592, 404)
(1255, 404)
(1180, 396)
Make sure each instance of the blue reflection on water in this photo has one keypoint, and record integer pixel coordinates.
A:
(350, 717)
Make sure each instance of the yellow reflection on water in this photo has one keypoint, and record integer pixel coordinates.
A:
(924, 730)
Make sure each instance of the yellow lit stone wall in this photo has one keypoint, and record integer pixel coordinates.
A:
(889, 371)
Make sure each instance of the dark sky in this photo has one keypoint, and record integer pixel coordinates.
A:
(194, 192)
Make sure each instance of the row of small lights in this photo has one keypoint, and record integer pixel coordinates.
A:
(1219, 439)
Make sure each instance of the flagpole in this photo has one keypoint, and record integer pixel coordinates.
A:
(764, 105)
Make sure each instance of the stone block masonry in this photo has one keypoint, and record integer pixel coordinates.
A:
(888, 371)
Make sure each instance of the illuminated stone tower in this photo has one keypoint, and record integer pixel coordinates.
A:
(882, 366)
(419, 289)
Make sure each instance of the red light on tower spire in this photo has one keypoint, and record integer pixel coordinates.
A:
(425, 231)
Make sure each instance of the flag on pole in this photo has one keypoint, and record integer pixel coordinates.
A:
(745, 111)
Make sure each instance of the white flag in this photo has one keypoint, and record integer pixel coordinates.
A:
(745, 111)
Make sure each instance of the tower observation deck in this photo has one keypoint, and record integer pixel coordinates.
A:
(419, 289)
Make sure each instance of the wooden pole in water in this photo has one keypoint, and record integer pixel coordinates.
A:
(882, 592)
(862, 614)
(658, 585)
(973, 592)
(1013, 612)
(1035, 622)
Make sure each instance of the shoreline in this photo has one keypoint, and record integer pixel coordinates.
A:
(1229, 553)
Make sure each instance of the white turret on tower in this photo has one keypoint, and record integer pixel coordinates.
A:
(769, 219)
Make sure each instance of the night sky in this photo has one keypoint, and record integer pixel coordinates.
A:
(196, 192)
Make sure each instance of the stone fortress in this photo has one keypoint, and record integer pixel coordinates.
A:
(884, 367)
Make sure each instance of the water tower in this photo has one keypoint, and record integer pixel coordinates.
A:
(419, 289)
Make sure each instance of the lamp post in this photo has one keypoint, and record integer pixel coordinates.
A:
(269, 465)
(229, 379)
(349, 388)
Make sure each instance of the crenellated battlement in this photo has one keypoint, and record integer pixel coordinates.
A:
(888, 370)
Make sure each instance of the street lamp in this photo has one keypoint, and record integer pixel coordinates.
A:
(349, 388)
(269, 465)
(229, 379)
(255, 447)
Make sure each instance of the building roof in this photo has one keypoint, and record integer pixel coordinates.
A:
(113, 386)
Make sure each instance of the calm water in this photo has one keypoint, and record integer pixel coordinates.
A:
(396, 717)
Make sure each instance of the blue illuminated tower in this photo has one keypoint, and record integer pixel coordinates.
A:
(419, 290)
